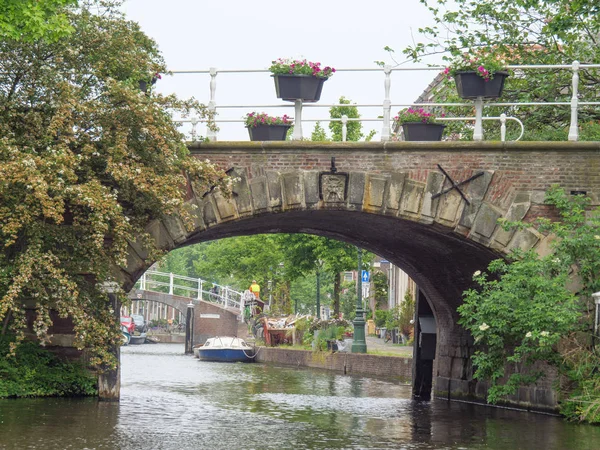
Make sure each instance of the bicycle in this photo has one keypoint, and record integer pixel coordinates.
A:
(388, 337)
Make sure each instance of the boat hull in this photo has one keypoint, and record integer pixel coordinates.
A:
(225, 355)
(137, 340)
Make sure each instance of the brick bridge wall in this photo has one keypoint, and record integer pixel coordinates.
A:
(385, 203)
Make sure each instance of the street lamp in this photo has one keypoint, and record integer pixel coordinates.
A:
(359, 345)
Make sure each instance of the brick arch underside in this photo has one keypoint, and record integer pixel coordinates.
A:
(440, 261)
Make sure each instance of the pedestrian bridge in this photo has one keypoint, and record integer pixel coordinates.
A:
(214, 313)
(179, 291)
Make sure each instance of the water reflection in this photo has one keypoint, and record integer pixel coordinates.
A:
(172, 401)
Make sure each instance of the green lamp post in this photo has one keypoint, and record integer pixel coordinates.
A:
(359, 345)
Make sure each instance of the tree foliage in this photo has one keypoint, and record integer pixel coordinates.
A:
(31, 20)
(86, 162)
(522, 32)
(354, 128)
(526, 311)
(287, 261)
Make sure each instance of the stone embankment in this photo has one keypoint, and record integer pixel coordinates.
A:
(347, 363)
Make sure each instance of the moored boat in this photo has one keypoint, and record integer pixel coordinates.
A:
(225, 349)
(137, 339)
(126, 336)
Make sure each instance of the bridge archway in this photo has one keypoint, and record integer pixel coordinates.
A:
(439, 242)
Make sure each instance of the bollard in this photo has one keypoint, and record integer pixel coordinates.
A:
(189, 329)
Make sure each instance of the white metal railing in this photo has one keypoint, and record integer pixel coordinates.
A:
(387, 104)
(188, 287)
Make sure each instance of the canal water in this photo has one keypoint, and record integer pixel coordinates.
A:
(172, 401)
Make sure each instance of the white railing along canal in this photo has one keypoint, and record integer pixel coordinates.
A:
(385, 107)
(188, 287)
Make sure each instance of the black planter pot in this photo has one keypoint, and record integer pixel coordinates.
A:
(419, 131)
(268, 132)
(470, 85)
(144, 84)
(298, 87)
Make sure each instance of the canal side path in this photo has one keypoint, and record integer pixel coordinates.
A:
(378, 346)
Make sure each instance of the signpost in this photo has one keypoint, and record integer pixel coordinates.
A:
(366, 276)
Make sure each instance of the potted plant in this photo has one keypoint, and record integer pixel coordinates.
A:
(262, 127)
(297, 79)
(419, 125)
(478, 74)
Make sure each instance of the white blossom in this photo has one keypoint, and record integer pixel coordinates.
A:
(544, 333)
(484, 326)
(477, 273)
(528, 335)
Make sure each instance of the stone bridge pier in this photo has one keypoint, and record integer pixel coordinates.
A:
(430, 208)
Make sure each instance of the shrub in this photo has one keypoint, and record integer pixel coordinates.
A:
(35, 372)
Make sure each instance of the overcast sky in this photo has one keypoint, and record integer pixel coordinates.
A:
(237, 34)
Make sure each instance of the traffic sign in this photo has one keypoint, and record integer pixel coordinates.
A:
(365, 276)
(365, 290)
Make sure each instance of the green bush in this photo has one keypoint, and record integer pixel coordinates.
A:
(35, 372)
(381, 317)
(330, 333)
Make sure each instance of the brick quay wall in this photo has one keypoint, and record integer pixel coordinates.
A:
(346, 363)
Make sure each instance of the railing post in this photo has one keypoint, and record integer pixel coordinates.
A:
(573, 129)
(199, 289)
(387, 104)
(297, 121)
(226, 296)
(503, 127)
(171, 283)
(344, 127)
(212, 105)
(143, 282)
(478, 131)
(194, 121)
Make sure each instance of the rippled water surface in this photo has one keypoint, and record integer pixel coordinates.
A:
(172, 401)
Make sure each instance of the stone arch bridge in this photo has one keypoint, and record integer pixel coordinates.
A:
(430, 208)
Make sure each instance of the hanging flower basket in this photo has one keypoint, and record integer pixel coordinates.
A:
(418, 124)
(268, 132)
(471, 85)
(419, 131)
(298, 87)
(262, 127)
(299, 79)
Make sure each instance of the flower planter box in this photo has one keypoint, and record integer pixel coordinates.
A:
(298, 87)
(419, 131)
(470, 85)
(268, 132)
